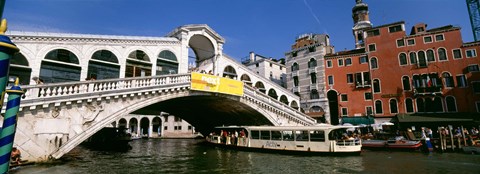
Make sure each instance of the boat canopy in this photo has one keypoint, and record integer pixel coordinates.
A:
(358, 120)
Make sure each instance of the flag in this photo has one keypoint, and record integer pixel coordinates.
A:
(429, 81)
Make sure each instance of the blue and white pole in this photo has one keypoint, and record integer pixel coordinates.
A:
(7, 49)
(9, 126)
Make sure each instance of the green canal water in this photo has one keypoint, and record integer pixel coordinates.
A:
(187, 156)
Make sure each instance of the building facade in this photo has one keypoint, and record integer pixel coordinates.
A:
(426, 71)
(267, 67)
(305, 73)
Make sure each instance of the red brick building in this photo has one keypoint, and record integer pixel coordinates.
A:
(392, 72)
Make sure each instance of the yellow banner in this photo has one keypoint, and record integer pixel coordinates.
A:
(211, 83)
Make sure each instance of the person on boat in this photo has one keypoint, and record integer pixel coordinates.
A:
(15, 156)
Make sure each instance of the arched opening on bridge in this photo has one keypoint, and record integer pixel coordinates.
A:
(60, 66)
(317, 113)
(167, 63)
(284, 99)
(20, 69)
(133, 126)
(204, 50)
(103, 65)
(246, 79)
(333, 105)
(122, 123)
(138, 64)
(294, 105)
(259, 85)
(157, 126)
(272, 93)
(144, 126)
(229, 72)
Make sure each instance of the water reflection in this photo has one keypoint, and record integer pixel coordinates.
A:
(185, 156)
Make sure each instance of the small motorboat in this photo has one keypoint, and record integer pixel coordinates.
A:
(400, 142)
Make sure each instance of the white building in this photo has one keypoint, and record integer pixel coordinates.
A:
(267, 67)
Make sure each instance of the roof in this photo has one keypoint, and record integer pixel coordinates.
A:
(348, 52)
(279, 128)
(407, 118)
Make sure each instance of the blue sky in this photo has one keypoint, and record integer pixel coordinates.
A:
(267, 27)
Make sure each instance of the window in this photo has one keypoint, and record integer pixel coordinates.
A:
(256, 65)
(270, 64)
(409, 105)
(329, 63)
(265, 135)
(427, 39)
(378, 107)
(431, 56)
(442, 54)
(400, 42)
(317, 136)
(393, 106)
(314, 94)
(313, 78)
(190, 127)
(295, 81)
(349, 78)
(372, 47)
(422, 61)
(410, 42)
(348, 61)
(471, 53)
(402, 58)
(406, 83)
(343, 97)
(448, 80)
(439, 37)
(330, 80)
(368, 96)
(395, 28)
(271, 74)
(344, 111)
(420, 29)
(420, 105)
(369, 110)
(461, 80)
(477, 104)
(363, 60)
(373, 33)
(413, 58)
(476, 86)
(457, 54)
(473, 68)
(340, 62)
(165, 128)
(362, 79)
(373, 63)
(376, 86)
(295, 67)
(451, 104)
(312, 63)
(177, 119)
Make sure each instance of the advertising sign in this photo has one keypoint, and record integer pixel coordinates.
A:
(211, 83)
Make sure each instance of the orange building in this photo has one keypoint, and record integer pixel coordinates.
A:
(391, 73)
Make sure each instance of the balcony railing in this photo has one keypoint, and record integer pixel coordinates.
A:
(312, 70)
(365, 84)
(295, 73)
(313, 87)
(432, 90)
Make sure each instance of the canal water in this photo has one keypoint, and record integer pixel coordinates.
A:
(187, 156)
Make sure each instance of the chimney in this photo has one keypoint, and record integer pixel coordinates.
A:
(252, 56)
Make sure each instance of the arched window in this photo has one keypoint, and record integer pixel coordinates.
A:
(378, 107)
(138, 64)
(284, 99)
(313, 78)
(19, 68)
(312, 63)
(295, 67)
(442, 54)
(416, 81)
(409, 105)
(430, 56)
(167, 63)
(376, 86)
(63, 66)
(229, 72)
(294, 105)
(373, 63)
(420, 105)
(393, 106)
(314, 94)
(295, 81)
(103, 65)
(246, 79)
(422, 61)
(259, 85)
(406, 83)
(448, 80)
(451, 104)
(437, 104)
(272, 93)
(413, 58)
(402, 58)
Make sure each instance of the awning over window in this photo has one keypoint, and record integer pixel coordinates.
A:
(405, 118)
(358, 120)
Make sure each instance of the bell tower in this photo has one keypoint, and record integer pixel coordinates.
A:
(361, 22)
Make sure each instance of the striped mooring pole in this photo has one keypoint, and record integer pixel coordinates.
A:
(7, 49)
(9, 126)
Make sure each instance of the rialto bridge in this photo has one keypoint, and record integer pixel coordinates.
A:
(134, 75)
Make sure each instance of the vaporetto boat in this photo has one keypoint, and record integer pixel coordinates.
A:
(319, 139)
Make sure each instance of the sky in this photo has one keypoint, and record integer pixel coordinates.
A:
(266, 27)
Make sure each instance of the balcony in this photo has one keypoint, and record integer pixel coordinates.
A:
(295, 73)
(365, 84)
(312, 70)
(433, 90)
(313, 87)
(295, 89)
